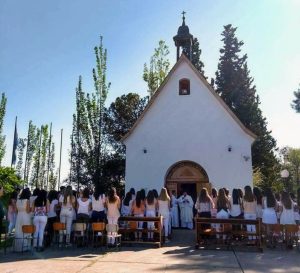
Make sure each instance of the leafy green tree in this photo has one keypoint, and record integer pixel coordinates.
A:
(296, 102)
(291, 162)
(52, 174)
(36, 159)
(32, 140)
(9, 180)
(44, 156)
(88, 150)
(235, 86)
(158, 68)
(20, 151)
(2, 115)
(196, 56)
(121, 116)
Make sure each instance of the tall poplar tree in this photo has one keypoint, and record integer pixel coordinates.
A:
(235, 86)
(20, 150)
(88, 138)
(2, 137)
(30, 149)
(158, 68)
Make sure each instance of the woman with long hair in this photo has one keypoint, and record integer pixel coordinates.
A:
(269, 216)
(236, 211)
(84, 206)
(126, 204)
(12, 211)
(249, 205)
(223, 207)
(164, 210)
(23, 218)
(98, 205)
(258, 196)
(235, 205)
(151, 205)
(113, 205)
(204, 206)
(138, 210)
(66, 213)
(287, 209)
(52, 215)
(40, 209)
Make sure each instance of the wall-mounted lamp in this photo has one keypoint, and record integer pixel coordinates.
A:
(246, 157)
(229, 148)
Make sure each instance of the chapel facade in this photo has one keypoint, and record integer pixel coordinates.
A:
(187, 138)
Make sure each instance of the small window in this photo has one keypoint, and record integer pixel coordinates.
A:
(184, 87)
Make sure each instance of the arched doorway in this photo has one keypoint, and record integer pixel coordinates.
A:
(186, 176)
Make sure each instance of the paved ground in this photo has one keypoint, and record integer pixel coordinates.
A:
(175, 257)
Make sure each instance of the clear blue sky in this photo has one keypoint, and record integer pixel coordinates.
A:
(46, 45)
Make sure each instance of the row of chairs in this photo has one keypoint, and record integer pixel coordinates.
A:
(81, 235)
(283, 235)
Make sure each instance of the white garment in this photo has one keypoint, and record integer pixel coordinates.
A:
(150, 225)
(250, 228)
(259, 211)
(269, 215)
(98, 205)
(112, 209)
(40, 224)
(126, 210)
(235, 209)
(222, 214)
(23, 218)
(164, 211)
(186, 205)
(287, 216)
(83, 206)
(66, 216)
(174, 212)
(52, 212)
(31, 200)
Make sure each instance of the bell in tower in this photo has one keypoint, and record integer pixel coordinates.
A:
(183, 39)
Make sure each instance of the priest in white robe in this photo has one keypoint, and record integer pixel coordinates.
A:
(174, 211)
(186, 205)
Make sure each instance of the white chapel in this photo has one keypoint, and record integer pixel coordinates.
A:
(187, 137)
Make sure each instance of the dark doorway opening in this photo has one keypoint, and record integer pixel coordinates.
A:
(190, 188)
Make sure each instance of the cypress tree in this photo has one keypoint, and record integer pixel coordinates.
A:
(196, 54)
(235, 86)
(296, 102)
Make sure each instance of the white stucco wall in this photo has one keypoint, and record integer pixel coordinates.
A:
(194, 127)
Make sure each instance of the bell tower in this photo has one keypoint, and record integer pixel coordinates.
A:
(183, 39)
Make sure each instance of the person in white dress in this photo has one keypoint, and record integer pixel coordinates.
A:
(174, 211)
(113, 204)
(164, 210)
(40, 209)
(84, 206)
(127, 204)
(23, 218)
(269, 216)
(151, 205)
(287, 209)
(98, 205)
(186, 205)
(249, 205)
(67, 203)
